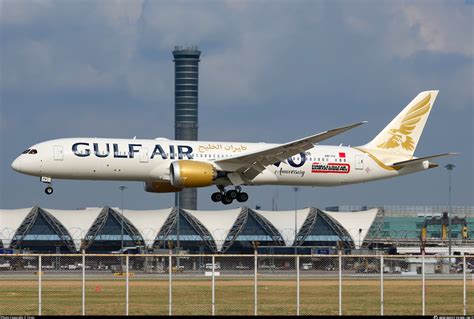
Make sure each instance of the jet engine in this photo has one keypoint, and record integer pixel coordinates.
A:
(161, 187)
(192, 174)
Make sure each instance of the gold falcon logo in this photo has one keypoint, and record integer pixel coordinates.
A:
(401, 136)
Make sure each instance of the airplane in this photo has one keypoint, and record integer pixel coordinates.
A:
(172, 165)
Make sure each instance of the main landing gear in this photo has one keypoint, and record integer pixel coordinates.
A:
(227, 197)
(47, 180)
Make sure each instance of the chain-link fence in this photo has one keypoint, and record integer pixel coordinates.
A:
(236, 285)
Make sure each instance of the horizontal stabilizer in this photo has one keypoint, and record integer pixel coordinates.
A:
(420, 159)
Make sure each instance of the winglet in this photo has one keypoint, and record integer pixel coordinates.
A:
(327, 134)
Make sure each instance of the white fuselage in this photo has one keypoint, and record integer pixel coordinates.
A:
(149, 160)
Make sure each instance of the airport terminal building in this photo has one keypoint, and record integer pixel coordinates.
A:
(241, 230)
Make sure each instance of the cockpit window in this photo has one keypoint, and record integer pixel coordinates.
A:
(30, 151)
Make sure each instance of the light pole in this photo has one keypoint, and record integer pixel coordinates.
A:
(449, 167)
(177, 230)
(296, 217)
(122, 188)
(177, 223)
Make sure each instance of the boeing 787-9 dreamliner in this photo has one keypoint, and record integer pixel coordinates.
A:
(172, 165)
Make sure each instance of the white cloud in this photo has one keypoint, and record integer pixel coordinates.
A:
(407, 28)
(18, 13)
(442, 27)
(249, 48)
(120, 14)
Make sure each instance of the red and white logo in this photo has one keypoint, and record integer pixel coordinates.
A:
(337, 168)
(342, 154)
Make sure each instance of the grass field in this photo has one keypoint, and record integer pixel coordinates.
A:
(234, 297)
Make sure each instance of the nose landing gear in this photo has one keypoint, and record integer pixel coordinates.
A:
(47, 180)
(227, 197)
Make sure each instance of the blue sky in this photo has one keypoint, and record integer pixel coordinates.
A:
(270, 71)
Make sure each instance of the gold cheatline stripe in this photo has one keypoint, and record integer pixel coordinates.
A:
(379, 162)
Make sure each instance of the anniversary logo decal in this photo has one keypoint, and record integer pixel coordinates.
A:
(340, 168)
(290, 172)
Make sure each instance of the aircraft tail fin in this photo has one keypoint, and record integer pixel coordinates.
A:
(402, 134)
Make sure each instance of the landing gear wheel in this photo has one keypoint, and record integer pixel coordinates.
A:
(232, 194)
(242, 197)
(216, 197)
(48, 190)
(226, 200)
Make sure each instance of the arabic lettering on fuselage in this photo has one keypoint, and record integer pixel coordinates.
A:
(104, 150)
(220, 147)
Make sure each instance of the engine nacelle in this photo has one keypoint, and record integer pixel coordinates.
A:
(192, 174)
(161, 187)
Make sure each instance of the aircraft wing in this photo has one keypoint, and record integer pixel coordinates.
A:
(420, 159)
(246, 167)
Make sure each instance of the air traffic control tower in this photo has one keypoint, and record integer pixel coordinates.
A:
(186, 70)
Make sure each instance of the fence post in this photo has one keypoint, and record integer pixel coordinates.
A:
(213, 285)
(423, 283)
(340, 283)
(255, 282)
(126, 284)
(464, 284)
(298, 285)
(83, 283)
(39, 285)
(381, 284)
(170, 295)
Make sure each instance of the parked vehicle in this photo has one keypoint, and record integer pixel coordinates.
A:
(241, 267)
(307, 266)
(177, 268)
(216, 266)
(5, 266)
(102, 267)
(30, 267)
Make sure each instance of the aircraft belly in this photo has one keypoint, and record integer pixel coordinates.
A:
(97, 169)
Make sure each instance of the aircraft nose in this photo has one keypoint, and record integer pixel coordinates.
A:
(16, 165)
